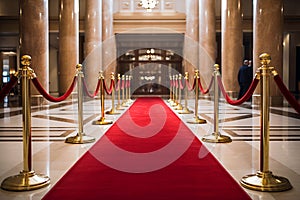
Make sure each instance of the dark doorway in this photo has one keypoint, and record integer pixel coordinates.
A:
(150, 59)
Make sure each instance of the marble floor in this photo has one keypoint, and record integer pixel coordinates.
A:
(52, 123)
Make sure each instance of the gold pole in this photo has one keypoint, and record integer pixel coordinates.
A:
(170, 98)
(196, 119)
(102, 120)
(124, 104)
(112, 111)
(26, 179)
(216, 136)
(80, 138)
(179, 105)
(175, 103)
(127, 90)
(119, 107)
(185, 109)
(264, 180)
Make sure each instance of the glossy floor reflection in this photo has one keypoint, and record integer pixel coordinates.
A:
(53, 123)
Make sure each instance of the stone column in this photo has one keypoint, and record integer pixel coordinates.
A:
(108, 45)
(268, 38)
(232, 44)
(207, 39)
(93, 42)
(68, 43)
(191, 43)
(34, 39)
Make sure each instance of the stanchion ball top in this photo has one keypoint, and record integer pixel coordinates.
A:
(79, 67)
(265, 59)
(216, 66)
(26, 60)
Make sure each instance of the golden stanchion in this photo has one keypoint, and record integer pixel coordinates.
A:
(119, 107)
(129, 89)
(112, 111)
(175, 95)
(102, 120)
(264, 180)
(216, 136)
(128, 100)
(80, 138)
(179, 105)
(185, 109)
(171, 85)
(26, 179)
(124, 103)
(196, 119)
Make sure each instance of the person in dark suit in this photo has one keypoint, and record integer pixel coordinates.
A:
(245, 77)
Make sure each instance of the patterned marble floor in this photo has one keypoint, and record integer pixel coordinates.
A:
(54, 122)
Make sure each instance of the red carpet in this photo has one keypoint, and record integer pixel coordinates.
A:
(147, 154)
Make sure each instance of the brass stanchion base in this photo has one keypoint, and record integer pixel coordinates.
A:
(265, 182)
(185, 111)
(174, 104)
(124, 104)
(197, 120)
(25, 181)
(119, 107)
(80, 140)
(102, 121)
(112, 112)
(216, 138)
(178, 107)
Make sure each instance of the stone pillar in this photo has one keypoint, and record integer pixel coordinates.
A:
(232, 44)
(268, 38)
(108, 45)
(191, 43)
(34, 39)
(68, 43)
(207, 39)
(93, 42)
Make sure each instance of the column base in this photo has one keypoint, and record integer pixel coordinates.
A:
(216, 138)
(25, 181)
(80, 139)
(265, 182)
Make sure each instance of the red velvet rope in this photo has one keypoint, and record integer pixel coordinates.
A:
(127, 84)
(87, 91)
(187, 83)
(5, 90)
(201, 88)
(123, 84)
(176, 83)
(39, 87)
(180, 84)
(112, 83)
(290, 98)
(118, 85)
(171, 83)
(244, 98)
